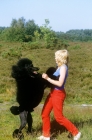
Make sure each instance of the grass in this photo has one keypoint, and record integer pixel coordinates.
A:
(78, 88)
(80, 116)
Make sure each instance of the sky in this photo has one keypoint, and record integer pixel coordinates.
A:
(63, 15)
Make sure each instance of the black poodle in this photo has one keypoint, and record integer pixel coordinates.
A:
(30, 90)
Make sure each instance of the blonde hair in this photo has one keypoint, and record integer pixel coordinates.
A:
(62, 57)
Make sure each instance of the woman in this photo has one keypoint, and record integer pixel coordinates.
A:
(56, 98)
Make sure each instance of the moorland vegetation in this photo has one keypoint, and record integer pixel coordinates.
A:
(40, 48)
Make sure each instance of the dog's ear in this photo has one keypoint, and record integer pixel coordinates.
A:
(15, 70)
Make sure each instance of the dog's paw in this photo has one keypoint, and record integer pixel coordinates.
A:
(28, 132)
(17, 134)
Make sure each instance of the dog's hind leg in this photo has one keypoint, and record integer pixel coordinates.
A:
(29, 121)
(23, 119)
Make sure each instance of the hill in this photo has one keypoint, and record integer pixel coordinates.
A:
(79, 82)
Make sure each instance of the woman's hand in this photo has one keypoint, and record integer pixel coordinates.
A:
(45, 76)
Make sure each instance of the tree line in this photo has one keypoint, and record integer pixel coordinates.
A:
(28, 31)
(76, 35)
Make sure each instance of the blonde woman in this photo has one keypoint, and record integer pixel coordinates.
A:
(56, 98)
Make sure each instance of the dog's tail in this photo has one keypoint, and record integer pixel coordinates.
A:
(15, 110)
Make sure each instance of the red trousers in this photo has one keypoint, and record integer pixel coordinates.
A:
(55, 101)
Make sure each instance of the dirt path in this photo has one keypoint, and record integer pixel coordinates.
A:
(6, 106)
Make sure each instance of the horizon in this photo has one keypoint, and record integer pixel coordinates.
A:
(64, 15)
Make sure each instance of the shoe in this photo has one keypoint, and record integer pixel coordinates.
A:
(40, 138)
(46, 138)
(43, 138)
(77, 137)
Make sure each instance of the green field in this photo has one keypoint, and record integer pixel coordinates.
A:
(78, 88)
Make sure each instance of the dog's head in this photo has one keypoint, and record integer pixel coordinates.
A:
(24, 68)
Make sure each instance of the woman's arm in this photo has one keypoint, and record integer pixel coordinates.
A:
(59, 82)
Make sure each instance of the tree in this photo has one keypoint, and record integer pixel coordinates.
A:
(20, 23)
(31, 27)
(47, 34)
(14, 23)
